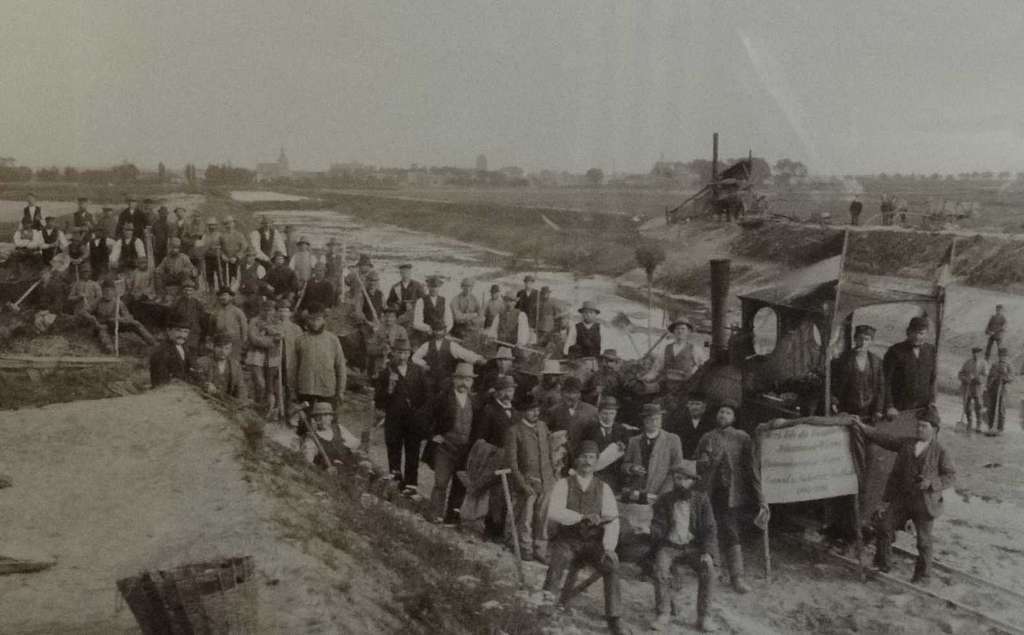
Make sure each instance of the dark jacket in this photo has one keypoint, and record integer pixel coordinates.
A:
(559, 418)
(439, 412)
(857, 392)
(725, 462)
(934, 467)
(491, 422)
(702, 527)
(165, 364)
(909, 379)
(137, 220)
(619, 434)
(283, 279)
(528, 452)
(400, 397)
(679, 422)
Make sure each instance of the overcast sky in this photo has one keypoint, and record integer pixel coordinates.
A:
(908, 86)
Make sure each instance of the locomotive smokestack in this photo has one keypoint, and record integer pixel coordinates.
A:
(719, 296)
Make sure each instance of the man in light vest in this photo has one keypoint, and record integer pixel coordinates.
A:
(438, 356)
(266, 241)
(586, 516)
(679, 360)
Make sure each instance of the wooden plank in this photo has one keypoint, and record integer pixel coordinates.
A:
(12, 565)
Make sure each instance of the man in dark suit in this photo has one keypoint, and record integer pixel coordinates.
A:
(172, 360)
(496, 415)
(857, 388)
(450, 417)
(528, 301)
(133, 216)
(605, 432)
(32, 212)
(573, 415)
(922, 470)
(688, 418)
(399, 395)
(909, 370)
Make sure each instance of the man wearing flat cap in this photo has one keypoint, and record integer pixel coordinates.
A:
(432, 311)
(586, 517)
(857, 388)
(679, 360)
(467, 315)
(921, 472)
(908, 369)
(683, 531)
(404, 294)
(227, 317)
(999, 378)
(973, 378)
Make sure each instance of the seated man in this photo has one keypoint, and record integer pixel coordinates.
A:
(28, 242)
(683, 531)
(587, 532)
(650, 456)
(110, 311)
(84, 296)
(331, 445)
(174, 271)
(223, 375)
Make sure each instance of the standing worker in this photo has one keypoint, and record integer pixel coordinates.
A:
(995, 329)
(450, 417)
(909, 371)
(585, 337)
(319, 362)
(398, 396)
(679, 361)
(922, 470)
(467, 315)
(528, 453)
(973, 375)
(858, 388)
(999, 377)
(856, 207)
(528, 301)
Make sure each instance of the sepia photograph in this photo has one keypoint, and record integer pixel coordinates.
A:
(367, 317)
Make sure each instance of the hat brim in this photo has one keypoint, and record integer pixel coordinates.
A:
(584, 309)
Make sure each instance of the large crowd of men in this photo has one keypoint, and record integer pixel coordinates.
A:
(469, 417)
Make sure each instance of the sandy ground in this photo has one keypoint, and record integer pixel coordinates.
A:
(111, 487)
(252, 196)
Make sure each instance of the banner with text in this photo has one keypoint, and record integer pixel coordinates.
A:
(805, 462)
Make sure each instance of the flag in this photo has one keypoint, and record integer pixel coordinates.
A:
(550, 223)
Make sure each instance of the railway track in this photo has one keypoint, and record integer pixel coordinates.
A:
(999, 607)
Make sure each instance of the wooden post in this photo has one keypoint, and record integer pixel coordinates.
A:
(826, 408)
(859, 535)
(117, 317)
(767, 553)
(511, 519)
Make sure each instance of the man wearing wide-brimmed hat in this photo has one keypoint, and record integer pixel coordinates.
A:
(679, 360)
(500, 365)
(127, 249)
(354, 280)
(857, 387)
(908, 369)
(585, 336)
(450, 421)
(467, 315)
(432, 311)
(607, 379)
(399, 394)
(973, 378)
(439, 355)
(586, 517)
(173, 359)
(510, 326)
(110, 309)
(223, 375)
(651, 454)
(548, 391)
(528, 453)
(683, 531)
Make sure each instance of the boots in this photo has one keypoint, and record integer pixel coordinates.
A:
(704, 590)
(735, 562)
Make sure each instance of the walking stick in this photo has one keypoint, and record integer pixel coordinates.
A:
(117, 318)
(282, 412)
(511, 519)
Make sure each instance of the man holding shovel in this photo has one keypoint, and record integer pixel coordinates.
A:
(587, 532)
